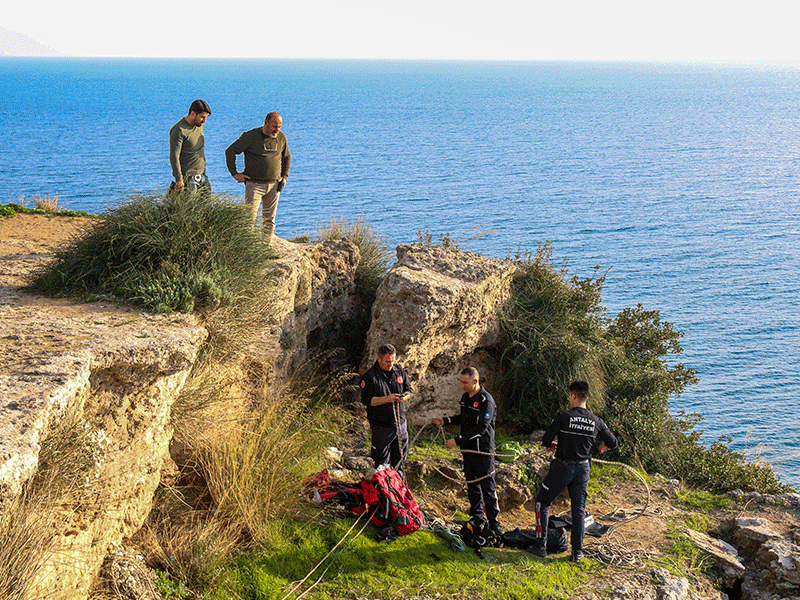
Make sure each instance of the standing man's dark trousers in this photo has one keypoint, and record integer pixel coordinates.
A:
(385, 450)
(574, 476)
(197, 183)
(482, 494)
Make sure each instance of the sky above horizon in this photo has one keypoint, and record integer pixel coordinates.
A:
(627, 30)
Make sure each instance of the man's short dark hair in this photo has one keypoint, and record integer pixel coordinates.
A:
(200, 106)
(580, 389)
(470, 372)
(386, 349)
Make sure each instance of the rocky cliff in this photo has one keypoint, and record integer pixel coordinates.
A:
(96, 382)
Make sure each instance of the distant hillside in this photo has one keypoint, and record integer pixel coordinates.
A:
(14, 43)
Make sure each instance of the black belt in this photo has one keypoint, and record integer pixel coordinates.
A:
(572, 461)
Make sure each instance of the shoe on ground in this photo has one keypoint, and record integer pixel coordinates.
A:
(577, 557)
(496, 529)
(540, 550)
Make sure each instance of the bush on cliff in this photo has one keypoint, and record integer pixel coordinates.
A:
(557, 330)
(164, 253)
(554, 333)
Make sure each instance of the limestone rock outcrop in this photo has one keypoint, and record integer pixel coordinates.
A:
(100, 381)
(439, 307)
(774, 569)
(104, 378)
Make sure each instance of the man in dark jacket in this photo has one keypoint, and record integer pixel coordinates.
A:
(266, 166)
(571, 435)
(385, 389)
(477, 416)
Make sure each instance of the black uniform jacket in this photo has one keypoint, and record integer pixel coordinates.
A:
(477, 422)
(576, 430)
(376, 383)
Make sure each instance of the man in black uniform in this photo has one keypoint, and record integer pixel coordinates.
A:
(571, 434)
(385, 389)
(477, 416)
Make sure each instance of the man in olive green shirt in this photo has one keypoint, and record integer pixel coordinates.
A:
(187, 153)
(266, 167)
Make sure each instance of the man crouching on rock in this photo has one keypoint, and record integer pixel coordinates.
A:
(572, 435)
(385, 389)
(477, 416)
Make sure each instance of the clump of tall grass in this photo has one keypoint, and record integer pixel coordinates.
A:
(26, 534)
(245, 450)
(187, 546)
(374, 249)
(48, 203)
(164, 253)
(254, 470)
(253, 446)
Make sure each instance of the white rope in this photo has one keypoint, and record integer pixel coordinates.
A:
(324, 558)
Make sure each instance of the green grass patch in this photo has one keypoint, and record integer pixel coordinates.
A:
(11, 209)
(429, 445)
(702, 501)
(420, 563)
(604, 476)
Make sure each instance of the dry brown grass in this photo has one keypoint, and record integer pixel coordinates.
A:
(48, 203)
(25, 542)
(28, 523)
(192, 544)
(244, 452)
(254, 470)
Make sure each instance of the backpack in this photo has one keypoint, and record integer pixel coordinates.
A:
(397, 512)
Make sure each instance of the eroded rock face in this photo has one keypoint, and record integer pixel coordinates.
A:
(105, 379)
(774, 568)
(439, 307)
(315, 302)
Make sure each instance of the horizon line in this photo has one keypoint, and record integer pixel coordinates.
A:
(692, 61)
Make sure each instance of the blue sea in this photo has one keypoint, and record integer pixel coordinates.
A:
(682, 179)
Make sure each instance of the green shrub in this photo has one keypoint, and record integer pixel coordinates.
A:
(164, 253)
(556, 330)
(704, 501)
(10, 209)
(169, 589)
(553, 331)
